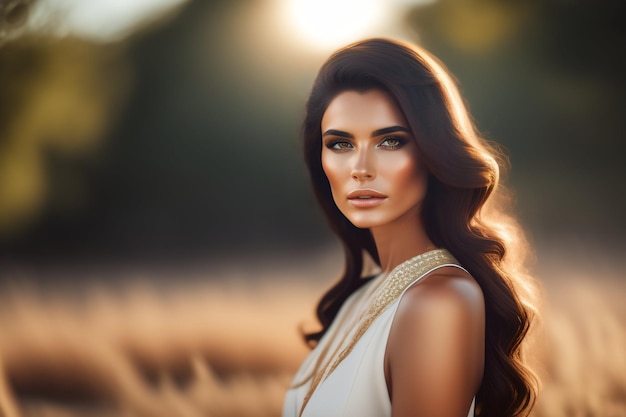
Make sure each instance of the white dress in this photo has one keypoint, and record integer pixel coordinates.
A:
(347, 365)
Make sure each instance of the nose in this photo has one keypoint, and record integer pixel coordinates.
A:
(363, 167)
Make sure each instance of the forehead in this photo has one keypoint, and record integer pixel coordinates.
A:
(371, 109)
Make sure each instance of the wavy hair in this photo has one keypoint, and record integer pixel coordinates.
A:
(463, 210)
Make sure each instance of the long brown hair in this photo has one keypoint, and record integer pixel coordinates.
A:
(462, 210)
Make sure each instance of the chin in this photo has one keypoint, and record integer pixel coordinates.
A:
(365, 222)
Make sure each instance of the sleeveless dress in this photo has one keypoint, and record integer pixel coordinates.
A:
(344, 375)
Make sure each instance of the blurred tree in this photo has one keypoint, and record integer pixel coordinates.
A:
(205, 157)
(13, 16)
(57, 98)
(545, 78)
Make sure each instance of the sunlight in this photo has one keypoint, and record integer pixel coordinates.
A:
(330, 23)
(98, 20)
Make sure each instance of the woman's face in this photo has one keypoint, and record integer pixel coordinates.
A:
(370, 158)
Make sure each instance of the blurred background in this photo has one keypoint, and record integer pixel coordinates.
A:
(159, 243)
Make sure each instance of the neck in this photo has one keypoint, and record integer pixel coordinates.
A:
(400, 240)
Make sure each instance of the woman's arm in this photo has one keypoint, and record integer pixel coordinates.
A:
(435, 352)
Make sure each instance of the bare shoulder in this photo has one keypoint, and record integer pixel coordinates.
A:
(447, 290)
(435, 351)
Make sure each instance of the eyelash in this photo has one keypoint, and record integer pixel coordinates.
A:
(335, 145)
(399, 144)
(339, 145)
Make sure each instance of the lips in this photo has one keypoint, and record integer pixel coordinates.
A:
(365, 198)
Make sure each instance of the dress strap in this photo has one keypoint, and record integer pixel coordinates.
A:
(395, 284)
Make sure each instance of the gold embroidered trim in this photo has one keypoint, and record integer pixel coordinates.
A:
(398, 280)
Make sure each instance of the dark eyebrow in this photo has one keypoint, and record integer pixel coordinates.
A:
(391, 129)
(341, 133)
(379, 132)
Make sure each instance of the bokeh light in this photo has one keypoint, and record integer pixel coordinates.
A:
(332, 23)
(98, 20)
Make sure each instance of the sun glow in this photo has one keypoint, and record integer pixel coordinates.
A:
(330, 23)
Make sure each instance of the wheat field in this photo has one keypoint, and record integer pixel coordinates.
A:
(227, 347)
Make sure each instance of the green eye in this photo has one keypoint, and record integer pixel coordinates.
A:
(391, 143)
(339, 145)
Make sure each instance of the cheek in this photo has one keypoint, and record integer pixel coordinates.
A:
(332, 168)
(409, 177)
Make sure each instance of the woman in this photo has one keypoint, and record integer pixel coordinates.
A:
(402, 175)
